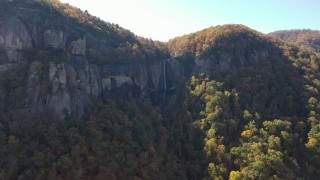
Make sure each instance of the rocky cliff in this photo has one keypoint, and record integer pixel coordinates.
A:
(65, 83)
(224, 48)
(68, 61)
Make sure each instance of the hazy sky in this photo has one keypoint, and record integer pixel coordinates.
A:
(166, 19)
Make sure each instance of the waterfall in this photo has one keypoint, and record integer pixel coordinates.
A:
(164, 81)
(164, 76)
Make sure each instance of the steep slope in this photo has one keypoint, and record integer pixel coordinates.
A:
(307, 39)
(54, 24)
(71, 55)
(235, 103)
(270, 74)
(223, 47)
(255, 99)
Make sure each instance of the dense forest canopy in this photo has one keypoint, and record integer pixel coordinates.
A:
(258, 120)
(219, 36)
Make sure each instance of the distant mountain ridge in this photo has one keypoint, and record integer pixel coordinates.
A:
(304, 38)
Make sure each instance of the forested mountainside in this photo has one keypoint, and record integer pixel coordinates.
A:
(70, 54)
(59, 24)
(307, 39)
(257, 92)
(84, 99)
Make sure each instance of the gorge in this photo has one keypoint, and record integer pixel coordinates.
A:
(81, 98)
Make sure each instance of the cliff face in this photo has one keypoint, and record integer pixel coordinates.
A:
(14, 38)
(223, 48)
(71, 83)
(224, 61)
(63, 83)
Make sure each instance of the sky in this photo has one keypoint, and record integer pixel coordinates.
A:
(165, 19)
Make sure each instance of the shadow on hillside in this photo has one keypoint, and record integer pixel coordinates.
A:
(276, 87)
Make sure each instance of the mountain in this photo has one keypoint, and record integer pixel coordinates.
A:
(228, 47)
(71, 53)
(306, 38)
(81, 98)
(249, 92)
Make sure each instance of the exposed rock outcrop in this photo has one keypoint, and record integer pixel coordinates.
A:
(14, 38)
(59, 97)
(64, 84)
(78, 47)
(54, 38)
(36, 99)
(223, 61)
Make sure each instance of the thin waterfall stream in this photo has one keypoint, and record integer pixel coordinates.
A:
(164, 80)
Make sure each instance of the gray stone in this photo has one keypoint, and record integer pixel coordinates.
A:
(54, 38)
(14, 38)
(224, 61)
(78, 47)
